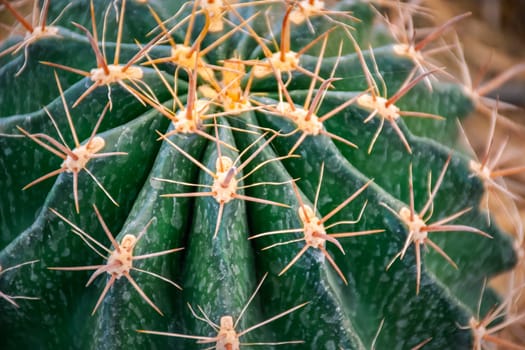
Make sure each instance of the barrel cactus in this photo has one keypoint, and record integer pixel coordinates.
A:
(208, 150)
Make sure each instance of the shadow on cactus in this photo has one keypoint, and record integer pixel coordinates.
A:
(223, 146)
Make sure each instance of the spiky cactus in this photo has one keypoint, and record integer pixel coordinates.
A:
(293, 163)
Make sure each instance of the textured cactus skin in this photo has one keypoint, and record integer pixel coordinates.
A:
(220, 274)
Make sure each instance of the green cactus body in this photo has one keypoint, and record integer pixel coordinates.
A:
(377, 307)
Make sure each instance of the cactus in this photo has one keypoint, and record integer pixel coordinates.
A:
(169, 144)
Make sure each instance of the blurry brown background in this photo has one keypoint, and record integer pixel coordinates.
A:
(6, 19)
(495, 33)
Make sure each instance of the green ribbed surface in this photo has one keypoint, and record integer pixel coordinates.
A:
(220, 274)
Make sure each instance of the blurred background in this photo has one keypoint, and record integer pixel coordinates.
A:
(493, 43)
(493, 40)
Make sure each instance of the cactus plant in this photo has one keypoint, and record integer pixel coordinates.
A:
(254, 162)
